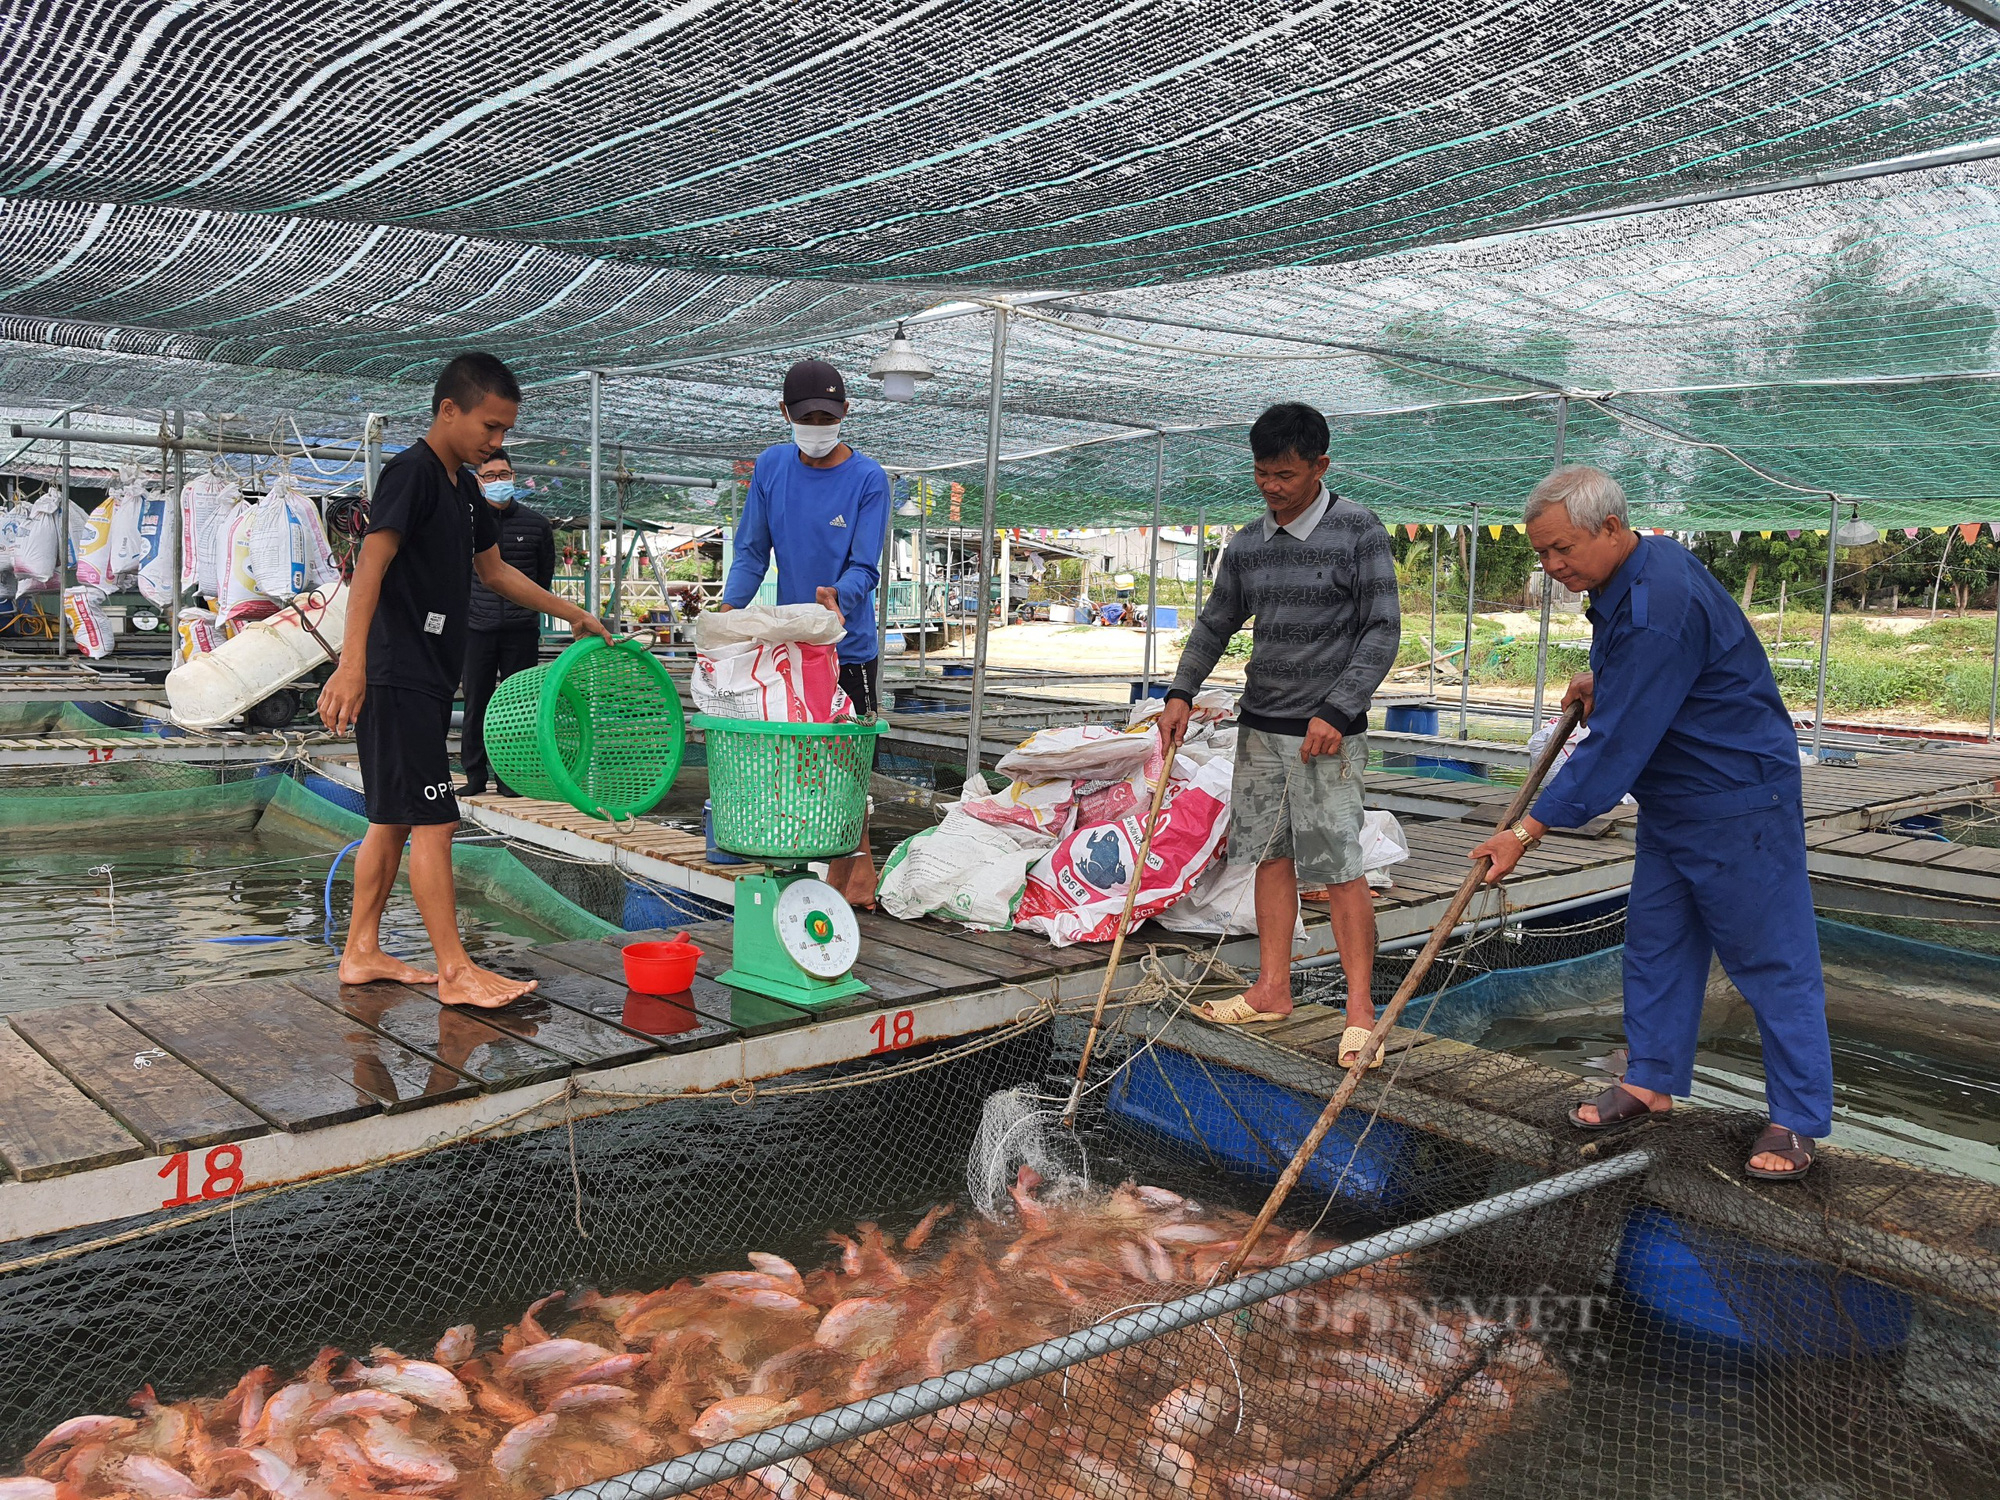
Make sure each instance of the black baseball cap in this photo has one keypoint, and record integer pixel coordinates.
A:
(813, 385)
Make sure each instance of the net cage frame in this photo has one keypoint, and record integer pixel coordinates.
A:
(562, 709)
(555, 1200)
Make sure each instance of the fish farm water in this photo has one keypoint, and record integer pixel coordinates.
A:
(97, 913)
(1914, 1029)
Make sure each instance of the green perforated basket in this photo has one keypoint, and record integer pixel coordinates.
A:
(600, 728)
(787, 793)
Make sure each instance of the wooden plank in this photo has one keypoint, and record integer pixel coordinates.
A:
(1916, 852)
(1027, 945)
(453, 1036)
(156, 1097)
(672, 1022)
(980, 958)
(284, 1055)
(744, 1013)
(48, 1127)
(1972, 857)
(550, 1020)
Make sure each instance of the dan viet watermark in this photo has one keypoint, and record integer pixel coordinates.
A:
(1359, 1313)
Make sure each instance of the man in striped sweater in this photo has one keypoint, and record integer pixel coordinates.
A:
(1317, 575)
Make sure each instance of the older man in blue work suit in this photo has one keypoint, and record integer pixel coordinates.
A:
(1685, 715)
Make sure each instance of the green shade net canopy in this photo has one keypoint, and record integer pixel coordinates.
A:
(1749, 245)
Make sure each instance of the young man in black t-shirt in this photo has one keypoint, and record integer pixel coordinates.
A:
(429, 531)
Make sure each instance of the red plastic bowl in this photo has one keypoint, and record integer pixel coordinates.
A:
(661, 968)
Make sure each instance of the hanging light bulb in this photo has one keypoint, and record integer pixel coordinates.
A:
(1855, 532)
(899, 367)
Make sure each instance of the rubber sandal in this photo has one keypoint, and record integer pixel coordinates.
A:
(1615, 1106)
(1775, 1140)
(1351, 1042)
(1235, 1011)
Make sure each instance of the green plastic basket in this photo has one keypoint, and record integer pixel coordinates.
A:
(787, 793)
(600, 728)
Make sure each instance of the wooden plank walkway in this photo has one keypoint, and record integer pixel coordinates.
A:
(1877, 1215)
(252, 1067)
(1905, 862)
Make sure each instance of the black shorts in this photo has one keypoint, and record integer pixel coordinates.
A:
(403, 737)
(857, 680)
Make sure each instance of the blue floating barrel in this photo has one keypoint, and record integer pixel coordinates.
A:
(647, 908)
(1158, 690)
(716, 854)
(1247, 1124)
(338, 793)
(1746, 1298)
(957, 669)
(1412, 718)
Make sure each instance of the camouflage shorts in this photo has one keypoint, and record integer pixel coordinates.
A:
(1282, 808)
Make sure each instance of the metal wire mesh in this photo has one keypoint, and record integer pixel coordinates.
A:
(1494, 1325)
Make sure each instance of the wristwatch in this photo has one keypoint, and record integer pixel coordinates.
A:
(1528, 840)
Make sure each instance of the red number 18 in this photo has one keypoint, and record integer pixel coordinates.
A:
(224, 1168)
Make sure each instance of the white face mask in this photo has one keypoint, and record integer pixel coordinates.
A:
(816, 441)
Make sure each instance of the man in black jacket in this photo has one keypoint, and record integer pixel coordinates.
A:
(501, 638)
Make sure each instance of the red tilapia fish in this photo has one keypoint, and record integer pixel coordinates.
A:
(1356, 1380)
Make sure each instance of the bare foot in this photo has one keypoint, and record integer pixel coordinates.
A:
(1659, 1104)
(481, 988)
(365, 968)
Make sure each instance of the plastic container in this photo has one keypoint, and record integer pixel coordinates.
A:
(261, 658)
(1157, 690)
(717, 855)
(1746, 1298)
(1250, 1126)
(788, 792)
(600, 728)
(661, 968)
(1411, 718)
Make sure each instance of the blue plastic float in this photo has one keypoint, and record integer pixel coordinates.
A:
(1744, 1298)
(1251, 1126)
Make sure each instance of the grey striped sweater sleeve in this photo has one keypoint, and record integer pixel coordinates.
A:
(1221, 617)
(1379, 614)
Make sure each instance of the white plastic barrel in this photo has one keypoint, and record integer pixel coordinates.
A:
(243, 671)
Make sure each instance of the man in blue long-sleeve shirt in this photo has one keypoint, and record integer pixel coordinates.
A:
(1685, 715)
(822, 510)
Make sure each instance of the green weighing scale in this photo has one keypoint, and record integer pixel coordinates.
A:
(786, 794)
(796, 939)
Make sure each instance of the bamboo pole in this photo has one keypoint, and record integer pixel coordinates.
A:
(1118, 938)
(1517, 806)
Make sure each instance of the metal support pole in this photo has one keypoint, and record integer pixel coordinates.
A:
(1200, 554)
(594, 535)
(923, 588)
(1153, 559)
(1993, 697)
(1825, 630)
(371, 456)
(984, 618)
(62, 553)
(1471, 604)
(176, 542)
(1431, 642)
(776, 1445)
(1542, 642)
(618, 537)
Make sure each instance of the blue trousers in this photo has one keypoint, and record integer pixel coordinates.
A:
(1735, 887)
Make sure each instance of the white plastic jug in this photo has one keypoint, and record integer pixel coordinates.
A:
(263, 657)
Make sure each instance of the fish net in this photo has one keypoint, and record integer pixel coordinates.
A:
(817, 1286)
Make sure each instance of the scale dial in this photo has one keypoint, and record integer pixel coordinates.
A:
(816, 928)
